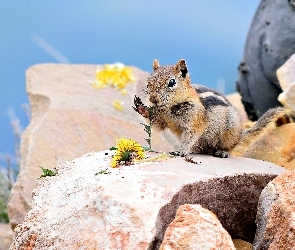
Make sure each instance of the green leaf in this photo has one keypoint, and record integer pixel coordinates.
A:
(146, 148)
(113, 148)
(125, 156)
(151, 112)
(48, 172)
(147, 128)
(103, 172)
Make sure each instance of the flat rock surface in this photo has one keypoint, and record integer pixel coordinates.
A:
(69, 119)
(90, 205)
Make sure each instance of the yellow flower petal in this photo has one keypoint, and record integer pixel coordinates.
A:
(117, 75)
(118, 104)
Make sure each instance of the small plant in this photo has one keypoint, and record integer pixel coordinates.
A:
(146, 112)
(127, 151)
(104, 171)
(48, 172)
(4, 196)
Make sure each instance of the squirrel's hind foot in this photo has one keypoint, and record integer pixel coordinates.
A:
(221, 154)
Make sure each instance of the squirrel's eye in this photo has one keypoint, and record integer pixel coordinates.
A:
(171, 83)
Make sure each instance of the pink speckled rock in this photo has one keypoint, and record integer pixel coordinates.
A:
(276, 214)
(195, 227)
(131, 207)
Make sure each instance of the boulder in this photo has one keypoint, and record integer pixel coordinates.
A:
(270, 42)
(69, 119)
(90, 205)
(276, 214)
(195, 227)
(286, 76)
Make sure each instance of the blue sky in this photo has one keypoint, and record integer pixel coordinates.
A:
(210, 35)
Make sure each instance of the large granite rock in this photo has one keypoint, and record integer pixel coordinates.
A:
(276, 214)
(195, 227)
(270, 42)
(90, 205)
(69, 119)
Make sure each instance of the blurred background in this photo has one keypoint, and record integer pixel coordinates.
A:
(210, 35)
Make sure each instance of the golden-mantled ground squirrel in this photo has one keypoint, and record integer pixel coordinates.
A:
(204, 120)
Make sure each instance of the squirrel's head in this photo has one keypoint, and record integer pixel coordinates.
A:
(167, 83)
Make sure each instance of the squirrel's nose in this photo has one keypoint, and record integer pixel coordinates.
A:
(153, 99)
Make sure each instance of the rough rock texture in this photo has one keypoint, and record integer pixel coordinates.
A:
(131, 207)
(277, 147)
(276, 214)
(195, 227)
(69, 119)
(286, 76)
(270, 42)
(6, 235)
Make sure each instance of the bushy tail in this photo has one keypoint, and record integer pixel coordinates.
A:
(272, 119)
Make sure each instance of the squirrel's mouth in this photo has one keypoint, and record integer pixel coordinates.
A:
(154, 100)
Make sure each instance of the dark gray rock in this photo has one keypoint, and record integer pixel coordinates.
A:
(270, 42)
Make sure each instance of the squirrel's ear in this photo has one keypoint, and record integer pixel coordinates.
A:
(181, 67)
(156, 64)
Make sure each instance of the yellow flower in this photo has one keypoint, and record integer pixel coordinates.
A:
(127, 150)
(116, 75)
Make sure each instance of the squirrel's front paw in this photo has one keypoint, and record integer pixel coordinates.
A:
(140, 108)
(177, 153)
